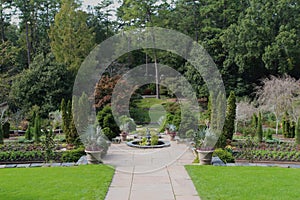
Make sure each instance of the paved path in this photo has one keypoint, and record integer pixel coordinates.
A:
(151, 174)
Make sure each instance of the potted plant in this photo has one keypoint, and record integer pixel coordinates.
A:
(204, 145)
(171, 131)
(96, 145)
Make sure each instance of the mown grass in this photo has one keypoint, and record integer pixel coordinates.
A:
(82, 182)
(141, 114)
(245, 182)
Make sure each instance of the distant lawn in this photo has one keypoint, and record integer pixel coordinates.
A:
(245, 182)
(82, 182)
(140, 112)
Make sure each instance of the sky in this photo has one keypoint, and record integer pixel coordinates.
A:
(96, 2)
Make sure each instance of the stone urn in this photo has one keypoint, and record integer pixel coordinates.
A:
(94, 157)
(123, 136)
(205, 156)
(172, 136)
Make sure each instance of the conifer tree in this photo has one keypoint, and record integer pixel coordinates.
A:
(37, 129)
(228, 129)
(297, 131)
(28, 134)
(259, 128)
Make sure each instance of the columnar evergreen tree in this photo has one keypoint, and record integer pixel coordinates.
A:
(297, 131)
(220, 117)
(1, 135)
(6, 128)
(228, 129)
(64, 116)
(28, 134)
(71, 134)
(254, 121)
(37, 129)
(259, 129)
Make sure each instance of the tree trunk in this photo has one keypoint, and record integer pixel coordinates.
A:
(277, 123)
(28, 43)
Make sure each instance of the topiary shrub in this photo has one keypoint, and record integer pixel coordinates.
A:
(224, 155)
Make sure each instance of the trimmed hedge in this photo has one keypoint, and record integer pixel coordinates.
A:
(224, 155)
(39, 156)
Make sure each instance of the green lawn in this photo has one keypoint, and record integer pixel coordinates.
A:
(82, 182)
(245, 182)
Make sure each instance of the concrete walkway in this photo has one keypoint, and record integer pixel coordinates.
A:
(154, 174)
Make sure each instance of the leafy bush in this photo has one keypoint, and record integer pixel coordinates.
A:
(154, 140)
(268, 134)
(12, 156)
(72, 155)
(108, 133)
(224, 155)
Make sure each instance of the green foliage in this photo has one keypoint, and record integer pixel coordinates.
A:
(228, 129)
(254, 120)
(108, 133)
(71, 38)
(288, 126)
(43, 84)
(48, 144)
(154, 139)
(5, 129)
(65, 116)
(1, 135)
(268, 134)
(72, 155)
(224, 155)
(297, 132)
(106, 119)
(259, 129)
(28, 133)
(37, 129)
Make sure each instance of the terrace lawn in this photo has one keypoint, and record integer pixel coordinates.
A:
(82, 182)
(245, 182)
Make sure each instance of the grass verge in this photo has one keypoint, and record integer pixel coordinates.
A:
(82, 182)
(245, 182)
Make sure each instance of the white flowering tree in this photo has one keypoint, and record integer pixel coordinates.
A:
(244, 112)
(278, 95)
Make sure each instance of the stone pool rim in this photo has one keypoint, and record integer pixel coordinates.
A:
(166, 144)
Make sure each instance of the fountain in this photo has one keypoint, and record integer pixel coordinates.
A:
(145, 143)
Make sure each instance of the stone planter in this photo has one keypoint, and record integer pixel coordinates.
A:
(94, 157)
(172, 136)
(205, 156)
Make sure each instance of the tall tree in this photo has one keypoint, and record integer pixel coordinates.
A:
(140, 14)
(71, 38)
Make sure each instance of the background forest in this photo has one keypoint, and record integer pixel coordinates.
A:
(42, 50)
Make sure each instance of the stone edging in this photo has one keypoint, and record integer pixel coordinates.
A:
(81, 161)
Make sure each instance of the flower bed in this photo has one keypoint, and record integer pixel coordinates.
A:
(280, 151)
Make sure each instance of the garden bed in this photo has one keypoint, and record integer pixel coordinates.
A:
(267, 162)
